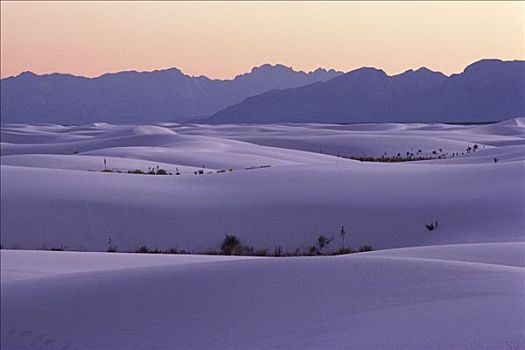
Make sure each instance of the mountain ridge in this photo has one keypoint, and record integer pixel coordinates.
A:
(132, 96)
(486, 90)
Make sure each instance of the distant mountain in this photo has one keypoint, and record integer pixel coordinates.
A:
(487, 90)
(167, 95)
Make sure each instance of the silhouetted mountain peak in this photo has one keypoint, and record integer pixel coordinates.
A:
(425, 70)
(422, 73)
(487, 65)
(483, 64)
(172, 70)
(27, 74)
(365, 74)
(324, 71)
(270, 68)
(367, 71)
(168, 72)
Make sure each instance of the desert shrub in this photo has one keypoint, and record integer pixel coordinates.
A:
(171, 251)
(260, 252)
(322, 242)
(161, 172)
(346, 250)
(365, 248)
(231, 245)
(145, 250)
(142, 249)
(313, 250)
(278, 251)
(136, 171)
(110, 247)
(432, 226)
(247, 250)
(106, 171)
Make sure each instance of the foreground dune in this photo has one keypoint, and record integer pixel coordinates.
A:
(373, 300)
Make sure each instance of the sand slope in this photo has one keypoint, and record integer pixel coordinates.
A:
(65, 203)
(460, 286)
(360, 301)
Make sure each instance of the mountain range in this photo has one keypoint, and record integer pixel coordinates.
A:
(167, 95)
(487, 90)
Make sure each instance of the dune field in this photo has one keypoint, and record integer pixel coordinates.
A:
(81, 189)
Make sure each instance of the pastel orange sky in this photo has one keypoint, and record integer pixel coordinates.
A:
(222, 39)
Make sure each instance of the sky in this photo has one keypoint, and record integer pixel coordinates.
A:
(223, 39)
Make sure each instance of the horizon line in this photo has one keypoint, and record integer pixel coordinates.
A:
(273, 65)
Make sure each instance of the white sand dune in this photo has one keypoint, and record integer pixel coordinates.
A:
(459, 286)
(359, 301)
(302, 195)
(386, 205)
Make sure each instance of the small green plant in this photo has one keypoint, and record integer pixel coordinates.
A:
(322, 242)
(346, 250)
(231, 245)
(343, 234)
(432, 226)
(317, 249)
(142, 249)
(260, 252)
(209, 252)
(365, 248)
(278, 251)
(171, 251)
(111, 247)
